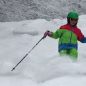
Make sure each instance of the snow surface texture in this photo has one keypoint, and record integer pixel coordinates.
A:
(16, 10)
(43, 66)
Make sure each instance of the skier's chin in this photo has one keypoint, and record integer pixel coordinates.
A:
(73, 25)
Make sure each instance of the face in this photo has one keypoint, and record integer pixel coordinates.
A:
(73, 21)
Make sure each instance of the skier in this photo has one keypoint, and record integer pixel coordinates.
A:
(68, 35)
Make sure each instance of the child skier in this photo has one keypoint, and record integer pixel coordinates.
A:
(68, 35)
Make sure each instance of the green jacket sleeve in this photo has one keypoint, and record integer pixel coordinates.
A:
(57, 34)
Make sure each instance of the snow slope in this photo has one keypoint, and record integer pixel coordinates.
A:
(43, 66)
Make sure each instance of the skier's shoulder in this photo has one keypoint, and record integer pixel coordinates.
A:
(77, 29)
(65, 26)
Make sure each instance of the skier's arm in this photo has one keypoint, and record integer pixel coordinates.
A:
(57, 34)
(81, 37)
(83, 40)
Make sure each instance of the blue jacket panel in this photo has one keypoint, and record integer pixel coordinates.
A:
(67, 46)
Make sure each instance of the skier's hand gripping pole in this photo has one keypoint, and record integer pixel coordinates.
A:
(47, 33)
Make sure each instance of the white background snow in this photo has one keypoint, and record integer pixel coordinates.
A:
(43, 66)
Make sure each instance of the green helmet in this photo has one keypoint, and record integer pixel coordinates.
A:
(73, 15)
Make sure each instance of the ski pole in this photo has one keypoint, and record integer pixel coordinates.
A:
(27, 53)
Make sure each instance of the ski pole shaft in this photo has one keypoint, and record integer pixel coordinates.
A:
(27, 54)
(19, 62)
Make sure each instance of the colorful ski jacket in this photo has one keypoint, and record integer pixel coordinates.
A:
(68, 37)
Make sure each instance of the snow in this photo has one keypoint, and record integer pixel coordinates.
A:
(43, 66)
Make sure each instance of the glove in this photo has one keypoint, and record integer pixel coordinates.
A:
(47, 33)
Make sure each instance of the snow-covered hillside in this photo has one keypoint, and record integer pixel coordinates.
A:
(43, 66)
(16, 10)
